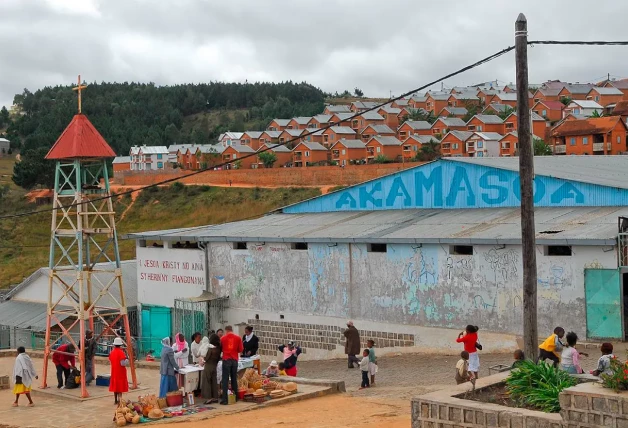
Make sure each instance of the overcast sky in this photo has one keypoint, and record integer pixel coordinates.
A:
(376, 45)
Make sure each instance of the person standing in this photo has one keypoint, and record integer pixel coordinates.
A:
(469, 339)
(90, 353)
(290, 355)
(352, 344)
(232, 347)
(250, 342)
(167, 368)
(195, 347)
(209, 379)
(64, 360)
(181, 350)
(23, 375)
(118, 383)
(364, 368)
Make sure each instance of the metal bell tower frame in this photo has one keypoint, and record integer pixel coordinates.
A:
(84, 256)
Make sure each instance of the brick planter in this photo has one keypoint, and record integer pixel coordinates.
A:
(591, 405)
(441, 409)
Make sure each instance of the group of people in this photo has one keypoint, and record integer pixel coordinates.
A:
(563, 354)
(567, 357)
(368, 363)
(219, 355)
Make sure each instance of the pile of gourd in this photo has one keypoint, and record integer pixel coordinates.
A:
(125, 414)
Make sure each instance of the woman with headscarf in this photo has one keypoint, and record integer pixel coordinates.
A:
(181, 354)
(209, 377)
(118, 383)
(167, 369)
(23, 375)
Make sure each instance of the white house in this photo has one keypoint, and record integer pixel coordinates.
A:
(230, 138)
(582, 107)
(5, 145)
(484, 144)
(146, 158)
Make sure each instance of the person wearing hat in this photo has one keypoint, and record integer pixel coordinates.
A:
(118, 383)
(272, 370)
(290, 354)
(352, 344)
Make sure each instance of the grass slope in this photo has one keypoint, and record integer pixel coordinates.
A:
(24, 241)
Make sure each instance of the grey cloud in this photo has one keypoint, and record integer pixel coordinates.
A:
(378, 46)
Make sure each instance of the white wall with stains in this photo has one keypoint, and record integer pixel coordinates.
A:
(408, 285)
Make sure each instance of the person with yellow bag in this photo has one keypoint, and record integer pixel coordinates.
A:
(551, 348)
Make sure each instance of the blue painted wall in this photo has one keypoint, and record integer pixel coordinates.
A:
(450, 185)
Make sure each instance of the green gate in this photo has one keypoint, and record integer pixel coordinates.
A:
(156, 324)
(602, 289)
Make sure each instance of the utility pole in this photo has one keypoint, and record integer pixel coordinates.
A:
(526, 175)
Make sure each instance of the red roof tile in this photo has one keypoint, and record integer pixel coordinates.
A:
(593, 125)
(80, 140)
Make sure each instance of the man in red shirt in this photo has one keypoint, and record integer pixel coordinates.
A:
(64, 363)
(232, 347)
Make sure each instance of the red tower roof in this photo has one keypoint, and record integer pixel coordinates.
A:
(80, 140)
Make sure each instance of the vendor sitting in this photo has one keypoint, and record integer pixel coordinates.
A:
(272, 370)
(250, 342)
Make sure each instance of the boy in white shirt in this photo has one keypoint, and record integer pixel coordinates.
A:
(364, 368)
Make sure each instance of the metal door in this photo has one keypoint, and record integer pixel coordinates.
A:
(603, 298)
(156, 324)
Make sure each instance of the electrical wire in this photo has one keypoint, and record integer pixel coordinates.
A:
(316, 130)
(310, 132)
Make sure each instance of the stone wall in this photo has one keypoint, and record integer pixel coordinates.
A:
(318, 336)
(275, 177)
(590, 405)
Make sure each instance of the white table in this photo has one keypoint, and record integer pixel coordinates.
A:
(191, 378)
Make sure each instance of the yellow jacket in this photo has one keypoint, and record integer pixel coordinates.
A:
(550, 345)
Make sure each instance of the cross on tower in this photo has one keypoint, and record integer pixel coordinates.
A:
(78, 88)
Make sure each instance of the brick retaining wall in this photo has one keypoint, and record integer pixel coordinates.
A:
(317, 336)
(590, 405)
(272, 177)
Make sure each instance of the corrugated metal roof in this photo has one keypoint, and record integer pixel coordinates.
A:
(586, 104)
(294, 132)
(372, 115)
(489, 118)
(418, 124)
(27, 315)
(602, 170)
(149, 150)
(129, 281)
(386, 140)
(489, 136)
(275, 148)
(122, 159)
(342, 130)
(381, 129)
(555, 226)
(81, 139)
(350, 144)
(253, 134)
(455, 110)
(321, 118)
(311, 145)
(450, 121)
(607, 91)
(273, 134)
(281, 122)
(338, 108)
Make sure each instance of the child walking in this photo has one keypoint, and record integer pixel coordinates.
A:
(462, 369)
(23, 374)
(604, 363)
(364, 368)
(570, 358)
(469, 338)
(372, 360)
(551, 348)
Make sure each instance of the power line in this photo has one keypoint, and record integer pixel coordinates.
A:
(315, 130)
(310, 132)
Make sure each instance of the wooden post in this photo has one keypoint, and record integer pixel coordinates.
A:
(526, 174)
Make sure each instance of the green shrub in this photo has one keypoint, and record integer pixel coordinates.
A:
(177, 185)
(538, 385)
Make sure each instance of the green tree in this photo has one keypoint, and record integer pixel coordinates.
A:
(4, 117)
(506, 112)
(596, 114)
(171, 134)
(381, 159)
(268, 158)
(541, 148)
(565, 100)
(198, 137)
(358, 92)
(428, 152)
(419, 114)
(33, 169)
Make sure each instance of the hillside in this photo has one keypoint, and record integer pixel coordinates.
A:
(24, 241)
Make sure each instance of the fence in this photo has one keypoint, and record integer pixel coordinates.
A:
(198, 316)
